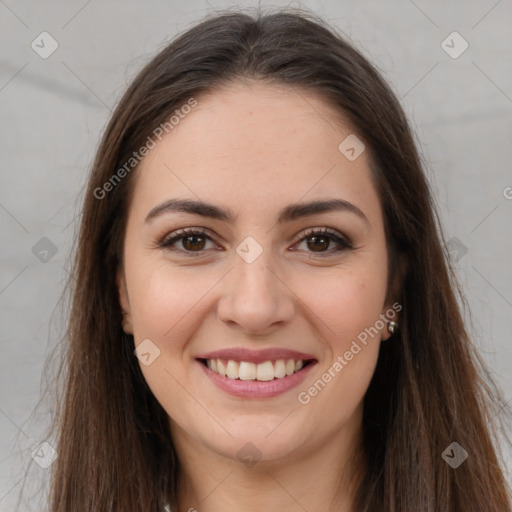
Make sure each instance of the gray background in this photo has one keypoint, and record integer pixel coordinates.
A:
(53, 111)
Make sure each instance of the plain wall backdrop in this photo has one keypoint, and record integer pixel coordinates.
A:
(54, 108)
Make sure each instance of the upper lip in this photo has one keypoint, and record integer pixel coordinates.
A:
(256, 356)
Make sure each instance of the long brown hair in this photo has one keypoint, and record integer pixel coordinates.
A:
(430, 387)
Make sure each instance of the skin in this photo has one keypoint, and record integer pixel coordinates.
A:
(255, 148)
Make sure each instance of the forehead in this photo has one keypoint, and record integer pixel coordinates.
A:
(255, 144)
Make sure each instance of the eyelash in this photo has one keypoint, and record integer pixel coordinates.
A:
(169, 240)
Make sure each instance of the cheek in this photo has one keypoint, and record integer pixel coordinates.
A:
(165, 300)
(346, 301)
(347, 308)
(168, 305)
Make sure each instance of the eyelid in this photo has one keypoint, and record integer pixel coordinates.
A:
(171, 238)
(344, 243)
(324, 231)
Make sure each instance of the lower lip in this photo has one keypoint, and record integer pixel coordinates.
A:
(254, 388)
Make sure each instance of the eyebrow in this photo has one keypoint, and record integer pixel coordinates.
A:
(287, 214)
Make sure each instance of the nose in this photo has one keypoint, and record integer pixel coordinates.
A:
(255, 298)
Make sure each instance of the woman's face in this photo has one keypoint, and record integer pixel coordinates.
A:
(251, 168)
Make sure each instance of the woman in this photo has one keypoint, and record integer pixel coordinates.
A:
(263, 314)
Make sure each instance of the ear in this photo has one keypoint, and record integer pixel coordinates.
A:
(393, 305)
(124, 302)
(391, 313)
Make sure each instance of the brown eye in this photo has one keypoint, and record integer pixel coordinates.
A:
(193, 243)
(319, 241)
(187, 241)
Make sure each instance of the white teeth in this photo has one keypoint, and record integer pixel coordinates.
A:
(232, 369)
(247, 371)
(265, 371)
(221, 369)
(279, 369)
(244, 370)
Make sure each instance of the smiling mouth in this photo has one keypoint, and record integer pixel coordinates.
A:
(262, 372)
